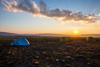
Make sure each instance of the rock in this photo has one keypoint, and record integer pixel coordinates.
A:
(48, 66)
(9, 53)
(68, 65)
(37, 57)
(37, 52)
(29, 63)
(63, 60)
(9, 62)
(44, 52)
(68, 57)
(47, 58)
(13, 53)
(36, 62)
(57, 59)
(89, 63)
(15, 48)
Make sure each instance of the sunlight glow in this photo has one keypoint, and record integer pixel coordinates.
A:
(75, 32)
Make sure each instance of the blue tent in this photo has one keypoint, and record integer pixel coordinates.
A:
(20, 41)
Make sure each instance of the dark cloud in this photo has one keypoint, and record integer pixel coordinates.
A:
(0, 3)
(31, 7)
(43, 7)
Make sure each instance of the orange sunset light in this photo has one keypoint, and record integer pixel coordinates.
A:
(75, 32)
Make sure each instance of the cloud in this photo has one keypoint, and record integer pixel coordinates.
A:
(67, 15)
(42, 9)
(21, 5)
(0, 3)
(99, 15)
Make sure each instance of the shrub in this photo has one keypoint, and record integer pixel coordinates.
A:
(89, 39)
(64, 39)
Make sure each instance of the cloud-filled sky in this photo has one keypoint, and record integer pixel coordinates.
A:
(50, 16)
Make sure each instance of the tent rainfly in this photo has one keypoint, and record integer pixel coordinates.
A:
(20, 41)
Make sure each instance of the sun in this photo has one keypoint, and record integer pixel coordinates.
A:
(75, 32)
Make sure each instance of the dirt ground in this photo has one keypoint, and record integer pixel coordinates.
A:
(50, 52)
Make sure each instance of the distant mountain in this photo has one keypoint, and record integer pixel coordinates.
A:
(7, 34)
(90, 35)
(50, 34)
(43, 34)
(13, 34)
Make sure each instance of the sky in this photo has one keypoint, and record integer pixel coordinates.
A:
(50, 16)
